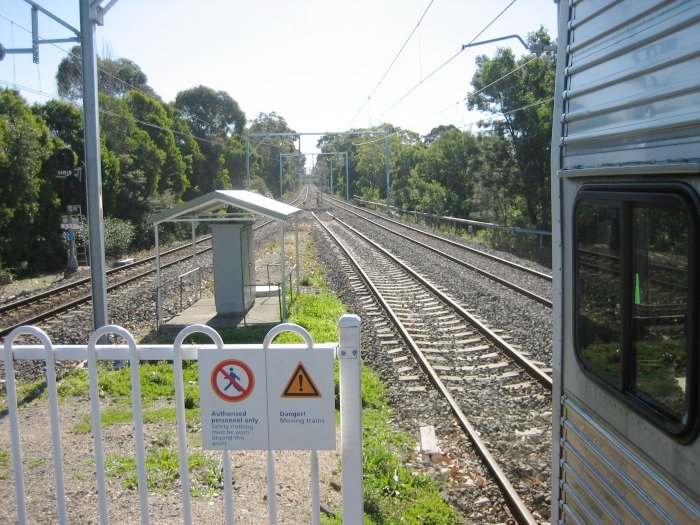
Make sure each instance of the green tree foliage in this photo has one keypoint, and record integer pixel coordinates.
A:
(114, 77)
(119, 236)
(437, 132)
(25, 145)
(520, 91)
(140, 161)
(152, 117)
(214, 118)
(453, 161)
(270, 148)
(210, 113)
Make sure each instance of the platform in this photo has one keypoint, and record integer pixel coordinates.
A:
(265, 311)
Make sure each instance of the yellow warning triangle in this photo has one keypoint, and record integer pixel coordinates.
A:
(300, 384)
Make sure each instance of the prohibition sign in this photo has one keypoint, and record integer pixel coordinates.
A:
(232, 380)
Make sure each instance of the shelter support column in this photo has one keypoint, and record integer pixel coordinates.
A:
(296, 247)
(283, 287)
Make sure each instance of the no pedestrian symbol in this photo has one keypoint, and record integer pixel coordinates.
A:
(232, 380)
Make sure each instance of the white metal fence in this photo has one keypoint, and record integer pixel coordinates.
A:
(347, 352)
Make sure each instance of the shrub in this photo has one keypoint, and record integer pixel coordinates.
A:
(119, 235)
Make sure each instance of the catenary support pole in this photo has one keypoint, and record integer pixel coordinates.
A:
(93, 163)
(296, 248)
(347, 177)
(283, 278)
(388, 187)
(247, 163)
(159, 292)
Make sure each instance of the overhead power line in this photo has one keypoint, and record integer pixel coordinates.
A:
(464, 99)
(392, 64)
(124, 82)
(55, 96)
(403, 97)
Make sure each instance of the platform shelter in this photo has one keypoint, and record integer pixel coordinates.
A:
(231, 214)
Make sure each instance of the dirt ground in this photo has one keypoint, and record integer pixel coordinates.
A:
(249, 468)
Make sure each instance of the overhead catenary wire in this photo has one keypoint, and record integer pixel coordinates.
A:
(55, 96)
(463, 99)
(435, 71)
(124, 82)
(392, 63)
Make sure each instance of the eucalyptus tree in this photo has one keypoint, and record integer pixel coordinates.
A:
(152, 117)
(25, 192)
(519, 92)
(115, 77)
(270, 148)
(214, 118)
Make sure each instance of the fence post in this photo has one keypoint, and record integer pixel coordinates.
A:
(351, 418)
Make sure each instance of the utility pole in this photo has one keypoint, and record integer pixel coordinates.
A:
(247, 163)
(347, 177)
(388, 187)
(91, 14)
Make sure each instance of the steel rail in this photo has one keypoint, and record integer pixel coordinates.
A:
(449, 241)
(87, 298)
(508, 284)
(75, 284)
(515, 502)
(85, 280)
(533, 370)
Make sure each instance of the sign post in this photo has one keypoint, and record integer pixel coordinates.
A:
(70, 226)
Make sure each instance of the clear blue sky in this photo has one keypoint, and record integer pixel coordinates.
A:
(314, 62)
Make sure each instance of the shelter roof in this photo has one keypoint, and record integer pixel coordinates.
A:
(205, 204)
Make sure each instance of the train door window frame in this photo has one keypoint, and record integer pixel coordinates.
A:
(621, 379)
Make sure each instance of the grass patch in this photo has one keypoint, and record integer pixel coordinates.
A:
(163, 468)
(34, 462)
(156, 383)
(26, 392)
(4, 464)
(115, 416)
(393, 494)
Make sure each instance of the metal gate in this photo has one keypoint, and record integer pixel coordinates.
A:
(347, 352)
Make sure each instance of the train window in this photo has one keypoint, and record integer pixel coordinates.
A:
(597, 229)
(636, 310)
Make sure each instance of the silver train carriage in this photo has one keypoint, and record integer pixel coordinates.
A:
(626, 245)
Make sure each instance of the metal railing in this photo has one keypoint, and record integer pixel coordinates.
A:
(347, 351)
(178, 284)
(198, 288)
(540, 252)
(457, 221)
(287, 277)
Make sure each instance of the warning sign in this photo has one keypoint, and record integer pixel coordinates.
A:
(300, 384)
(233, 400)
(280, 398)
(301, 403)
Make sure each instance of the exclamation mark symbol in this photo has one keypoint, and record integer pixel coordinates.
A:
(301, 380)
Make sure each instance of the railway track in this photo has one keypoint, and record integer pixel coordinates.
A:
(51, 303)
(436, 343)
(358, 211)
(36, 308)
